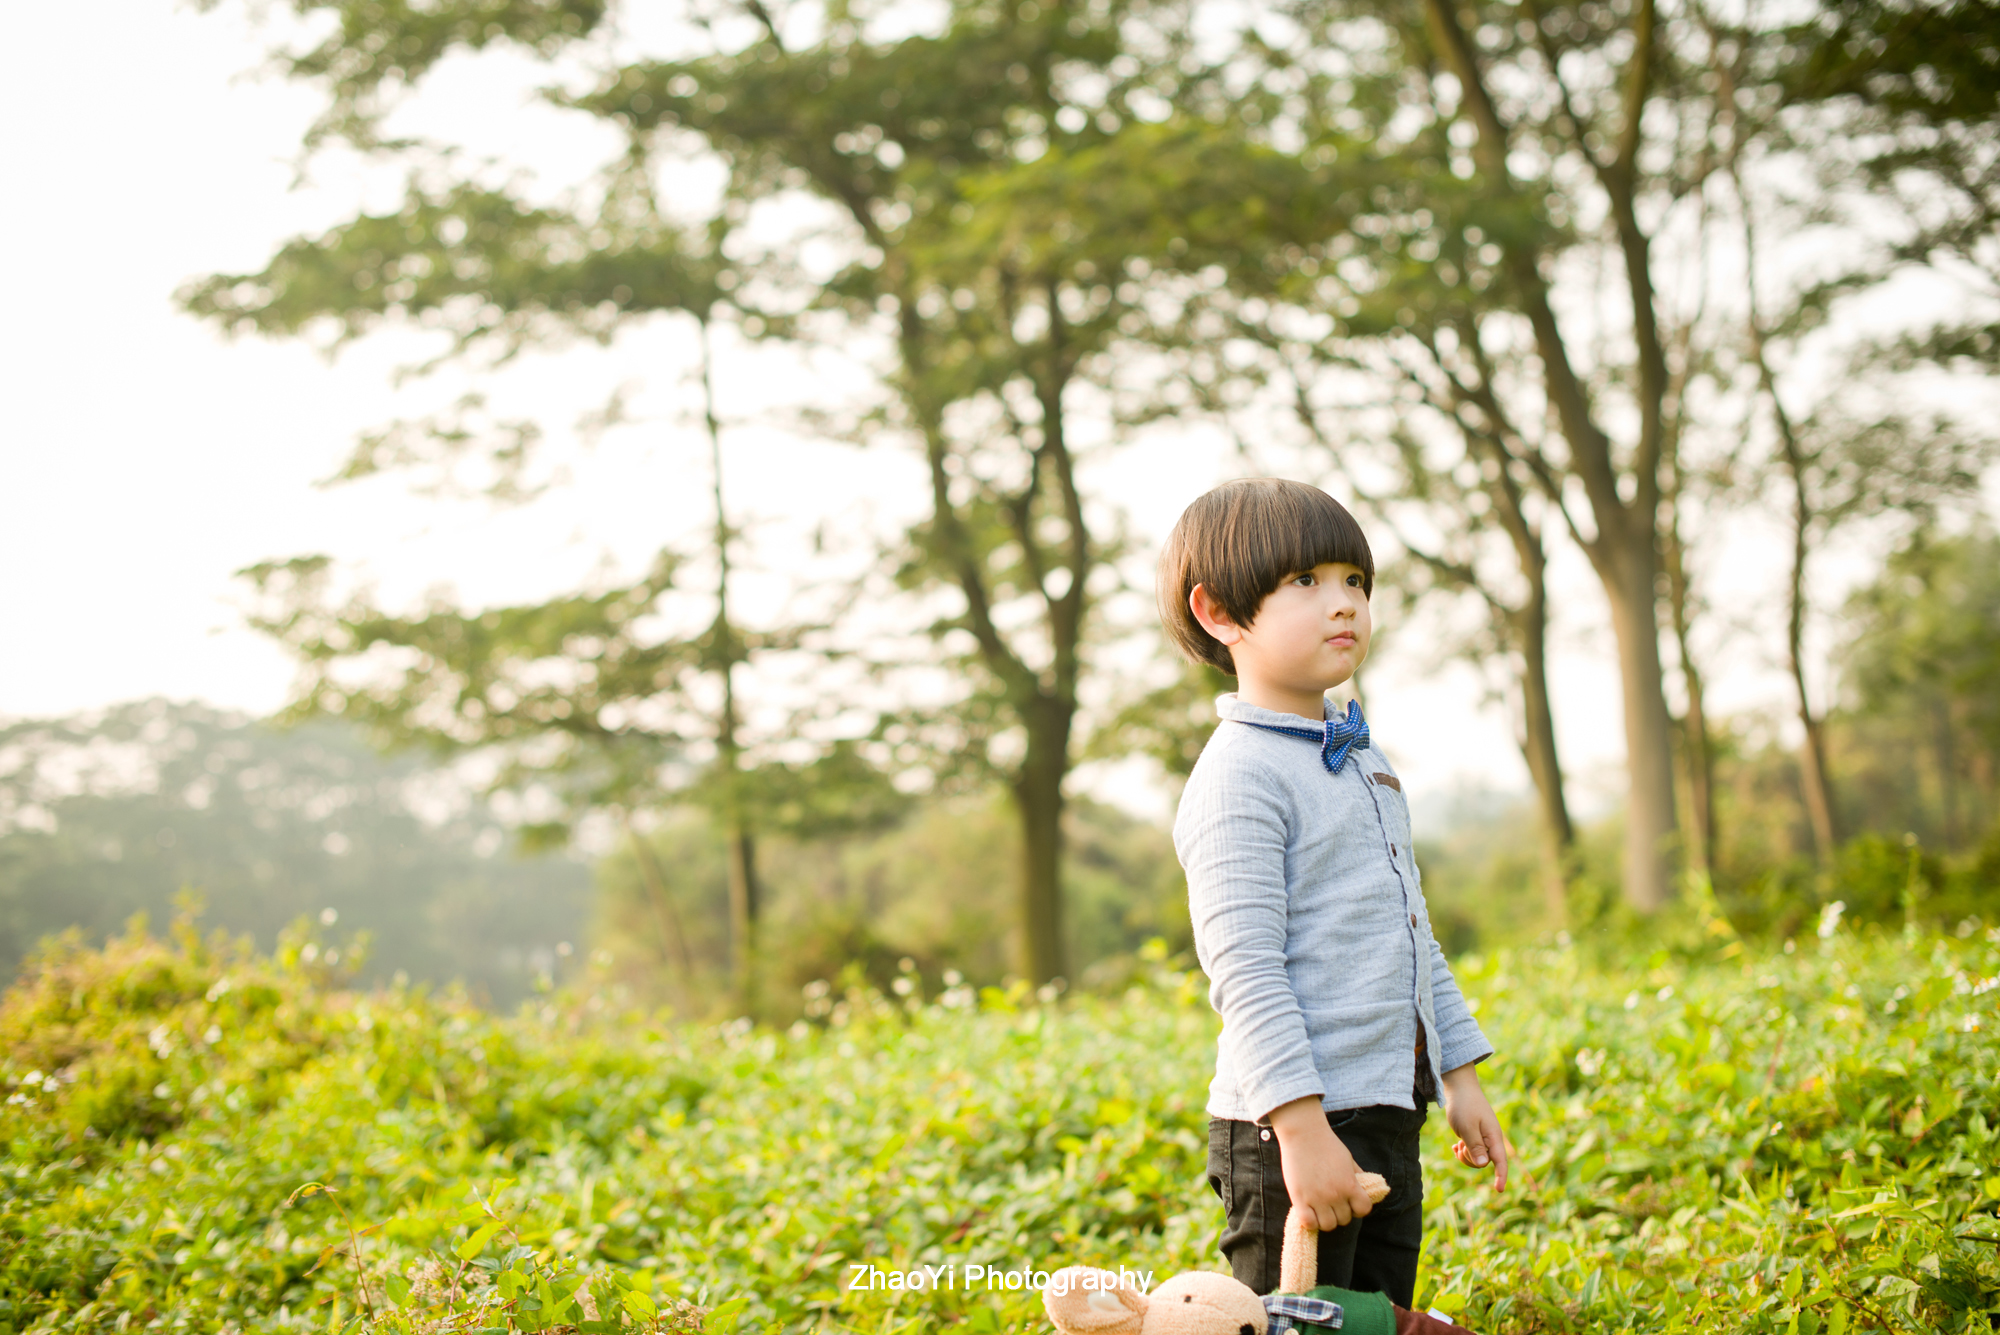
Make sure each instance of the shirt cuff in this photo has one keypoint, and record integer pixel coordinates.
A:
(1277, 1096)
(1463, 1049)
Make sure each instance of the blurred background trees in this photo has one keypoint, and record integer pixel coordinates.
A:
(1576, 289)
(114, 815)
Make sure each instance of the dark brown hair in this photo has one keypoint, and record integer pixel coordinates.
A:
(1241, 541)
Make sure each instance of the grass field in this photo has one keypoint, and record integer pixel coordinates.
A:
(1799, 1141)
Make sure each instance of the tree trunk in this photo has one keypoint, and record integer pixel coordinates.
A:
(1812, 776)
(1650, 828)
(1538, 748)
(1529, 627)
(1038, 800)
(726, 652)
(1625, 549)
(1050, 712)
(672, 939)
(1700, 752)
(1812, 751)
(1042, 700)
(1697, 750)
(1947, 769)
(743, 898)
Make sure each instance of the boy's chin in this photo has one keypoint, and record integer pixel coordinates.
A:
(1337, 678)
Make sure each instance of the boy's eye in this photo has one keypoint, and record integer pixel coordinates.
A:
(1306, 580)
(1354, 581)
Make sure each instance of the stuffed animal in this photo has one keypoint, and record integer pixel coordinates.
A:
(1082, 1300)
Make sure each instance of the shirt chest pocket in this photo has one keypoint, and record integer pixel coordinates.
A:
(1395, 811)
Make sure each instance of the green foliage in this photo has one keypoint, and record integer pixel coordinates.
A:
(1913, 753)
(1927, 641)
(934, 889)
(1760, 1142)
(105, 816)
(996, 187)
(477, 261)
(1913, 94)
(378, 46)
(1171, 724)
(567, 681)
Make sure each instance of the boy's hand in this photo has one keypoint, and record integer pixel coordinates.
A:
(1319, 1171)
(1480, 1140)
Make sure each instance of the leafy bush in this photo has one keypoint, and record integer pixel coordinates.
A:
(1763, 1142)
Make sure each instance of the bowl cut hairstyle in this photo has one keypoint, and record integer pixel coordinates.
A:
(1241, 541)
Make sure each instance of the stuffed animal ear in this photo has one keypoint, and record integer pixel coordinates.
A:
(1298, 1265)
(1086, 1301)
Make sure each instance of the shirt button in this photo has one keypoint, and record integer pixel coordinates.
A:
(1263, 1135)
(1413, 920)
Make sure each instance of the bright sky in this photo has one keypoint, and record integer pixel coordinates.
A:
(144, 458)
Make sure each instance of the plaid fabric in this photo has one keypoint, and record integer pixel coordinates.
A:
(1287, 1308)
(1336, 737)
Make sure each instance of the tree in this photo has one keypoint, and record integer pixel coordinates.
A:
(1494, 164)
(584, 693)
(1014, 207)
(1463, 504)
(107, 815)
(1846, 461)
(1927, 649)
(1002, 187)
(1911, 93)
(1536, 254)
(1597, 131)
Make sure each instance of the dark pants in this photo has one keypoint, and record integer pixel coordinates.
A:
(1375, 1254)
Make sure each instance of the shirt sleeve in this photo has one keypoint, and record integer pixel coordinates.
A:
(1231, 836)
(1459, 1037)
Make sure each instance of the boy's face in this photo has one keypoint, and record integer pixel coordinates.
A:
(1310, 635)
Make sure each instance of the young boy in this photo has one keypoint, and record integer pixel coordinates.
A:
(1340, 1020)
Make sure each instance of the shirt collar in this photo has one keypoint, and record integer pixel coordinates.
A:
(1234, 709)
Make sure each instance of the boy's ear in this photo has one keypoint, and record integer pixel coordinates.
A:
(1211, 616)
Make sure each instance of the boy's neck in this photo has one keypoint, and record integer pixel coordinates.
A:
(1266, 695)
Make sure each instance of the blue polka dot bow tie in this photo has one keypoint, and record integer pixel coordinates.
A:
(1336, 737)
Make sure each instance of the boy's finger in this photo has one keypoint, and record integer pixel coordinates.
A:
(1498, 1140)
(1475, 1146)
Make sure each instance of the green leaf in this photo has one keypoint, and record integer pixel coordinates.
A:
(476, 1244)
(721, 1320)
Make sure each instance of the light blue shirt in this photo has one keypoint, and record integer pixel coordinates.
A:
(1309, 920)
